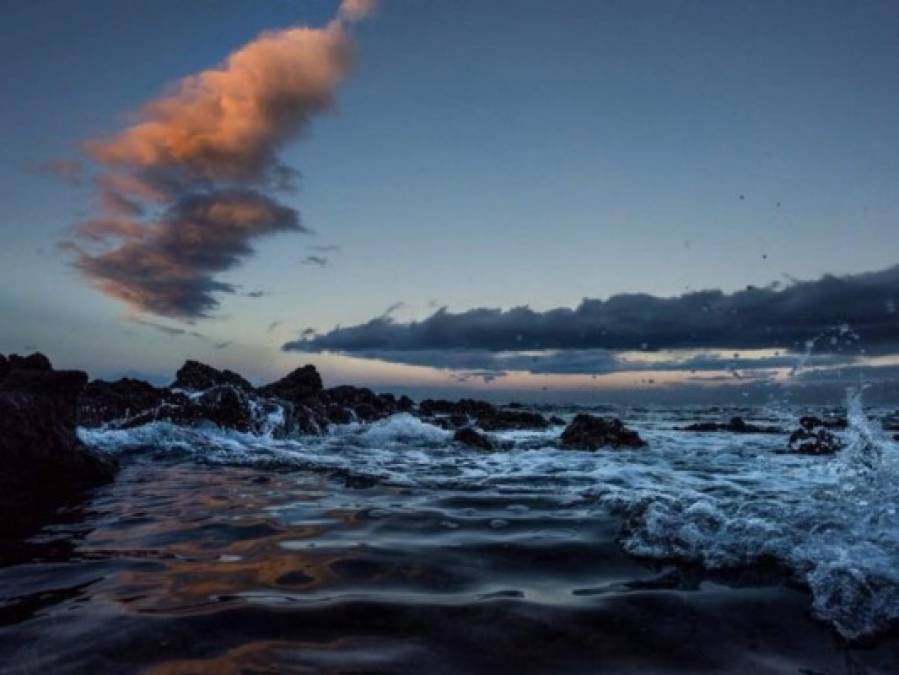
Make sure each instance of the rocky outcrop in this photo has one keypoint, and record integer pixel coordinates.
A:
(473, 438)
(811, 422)
(466, 411)
(197, 376)
(588, 432)
(42, 462)
(736, 425)
(104, 402)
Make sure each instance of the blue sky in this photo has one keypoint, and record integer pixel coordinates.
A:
(482, 154)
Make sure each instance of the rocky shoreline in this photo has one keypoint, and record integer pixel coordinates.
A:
(43, 463)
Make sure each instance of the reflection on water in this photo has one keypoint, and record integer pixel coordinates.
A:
(205, 567)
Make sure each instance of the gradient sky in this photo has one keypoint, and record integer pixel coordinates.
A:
(482, 154)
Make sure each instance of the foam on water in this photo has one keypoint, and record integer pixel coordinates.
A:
(720, 500)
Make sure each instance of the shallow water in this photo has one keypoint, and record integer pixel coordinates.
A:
(388, 549)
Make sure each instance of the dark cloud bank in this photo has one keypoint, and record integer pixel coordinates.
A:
(833, 317)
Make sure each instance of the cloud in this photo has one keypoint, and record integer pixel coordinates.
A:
(256, 294)
(314, 260)
(168, 268)
(183, 191)
(171, 331)
(272, 326)
(771, 317)
(223, 345)
(325, 248)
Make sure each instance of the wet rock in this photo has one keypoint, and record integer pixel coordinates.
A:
(36, 361)
(365, 404)
(814, 442)
(296, 386)
(104, 402)
(556, 421)
(736, 425)
(465, 406)
(405, 404)
(588, 432)
(512, 419)
(197, 376)
(471, 437)
(43, 464)
(4, 366)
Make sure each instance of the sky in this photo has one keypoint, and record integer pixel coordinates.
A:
(405, 165)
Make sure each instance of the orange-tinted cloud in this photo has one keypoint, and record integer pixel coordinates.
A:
(182, 192)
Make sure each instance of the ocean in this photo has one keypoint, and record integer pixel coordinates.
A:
(387, 548)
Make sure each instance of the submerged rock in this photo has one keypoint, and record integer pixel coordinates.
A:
(813, 438)
(198, 376)
(736, 425)
(473, 438)
(43, 464)
(588, 432)
(809, 442)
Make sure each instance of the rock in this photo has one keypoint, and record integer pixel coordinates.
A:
(365, 404)
(736, 425)
(807, 442)
(43, 464)
(465, 406)
(198, 376)
(587, 432)
(487, 415)
(296, 386)
(556, 421)
(4, 366)
(106, 402)
(512, 419)
(36, 361)
(473, 438)
(405, 404)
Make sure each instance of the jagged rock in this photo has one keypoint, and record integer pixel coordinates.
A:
(43, 464)
(556, 421)
(103, 402)
(587, 432)
(4, 366)
(512, 419)
(487, 415)
(364, 403)
(296, 386)
(405, 404)
(198, 376)
(465, 406)
(36, 361)
(736, 425)
(808, 442)
(473, 438)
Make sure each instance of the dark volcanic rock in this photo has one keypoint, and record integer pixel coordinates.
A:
(296, 386)
(42, 463)
(469, 436)
(736, 425)
(36, 361)
(556, 421)
(513, 419)
(104, 402)
(198, 377)
(809, 442)
(587, 432)
(4, 366)
(486, 415)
